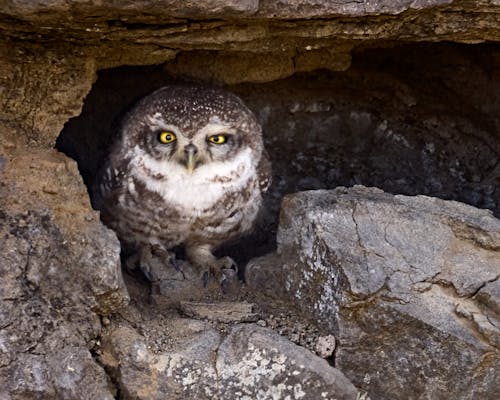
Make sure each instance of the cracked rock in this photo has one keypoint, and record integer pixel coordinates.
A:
(406, 284)
(60, 270)
(255, 362)
(251, 362)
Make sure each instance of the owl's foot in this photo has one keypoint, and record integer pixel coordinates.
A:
(224, 270)
(227, 277)
(152, 261)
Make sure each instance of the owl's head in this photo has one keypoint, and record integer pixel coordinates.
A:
(192, 126)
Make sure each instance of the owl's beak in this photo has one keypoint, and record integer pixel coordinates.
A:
(190, 150)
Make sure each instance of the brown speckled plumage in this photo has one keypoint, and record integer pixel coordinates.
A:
(149, 197)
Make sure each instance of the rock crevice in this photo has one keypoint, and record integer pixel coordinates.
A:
(418, 280)
(348, 93)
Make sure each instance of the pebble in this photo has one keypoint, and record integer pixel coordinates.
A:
(325, 346)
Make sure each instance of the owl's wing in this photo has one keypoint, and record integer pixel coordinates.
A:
(107, 184)
(264, 172)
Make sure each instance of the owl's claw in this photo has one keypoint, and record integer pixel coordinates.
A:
(223, 270)
(229, 277)
(224, 285)
(153, 261)
(205, 277)
(175, 263)
(227, 263)
(132, 261)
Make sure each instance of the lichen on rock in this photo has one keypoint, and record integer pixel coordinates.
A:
(397, 288)
(388, 275)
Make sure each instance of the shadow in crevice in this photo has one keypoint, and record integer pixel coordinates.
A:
(412, 119)
(87, 138)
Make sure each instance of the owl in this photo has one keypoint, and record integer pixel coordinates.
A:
(188, 167)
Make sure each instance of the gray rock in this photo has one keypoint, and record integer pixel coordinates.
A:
(406, 284)
(488, 297)
(166, 8)
(325, 346)
(185, 371)
(226, 312)
(289, 9)
(251, 362)
(325, 8)
(255, 362)
(66, 373)
(60, 269)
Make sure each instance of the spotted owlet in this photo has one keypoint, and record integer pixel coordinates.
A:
(187, 168)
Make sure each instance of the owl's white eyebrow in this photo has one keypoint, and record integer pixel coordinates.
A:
(217, 127)
(156, 121)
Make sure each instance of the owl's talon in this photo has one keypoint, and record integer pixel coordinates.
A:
(226, 263)
(152, 261)
(228, 280)
(147, 273)
(224, 285)
(205, 277)
(234, 267)
(175, 264)
(132, 261)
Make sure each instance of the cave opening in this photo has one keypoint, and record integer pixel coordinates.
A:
(413, 119)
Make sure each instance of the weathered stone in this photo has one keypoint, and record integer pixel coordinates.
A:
(226, 312)
(488, 298)
(326, 8)
(255, 362)
(232, 67)
(250, 362)
(59, 265)
(59, 268)
(66, 373)
(33, 10)
(389, 275)
(40, 89)
(126, 13)
(325, 346)
(187, 371)
(48, 215)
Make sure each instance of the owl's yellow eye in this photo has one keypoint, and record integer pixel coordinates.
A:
(166, 137)
(218, 139)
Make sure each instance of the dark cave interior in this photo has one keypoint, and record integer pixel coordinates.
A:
(410, 119)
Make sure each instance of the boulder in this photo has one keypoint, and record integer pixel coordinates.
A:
(60, 270)
(53, 49)
(198, 362)
(418, 118)
(408, 285)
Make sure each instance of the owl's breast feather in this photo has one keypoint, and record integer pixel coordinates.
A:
(201, 189)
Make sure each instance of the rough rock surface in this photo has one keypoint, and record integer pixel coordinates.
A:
(222, 311)
(61, 286)
(381, 123)
(401, 281)
(50, 51)
(199, 362)
(60, 269)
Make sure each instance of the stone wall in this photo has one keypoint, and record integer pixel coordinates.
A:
(402, 95)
